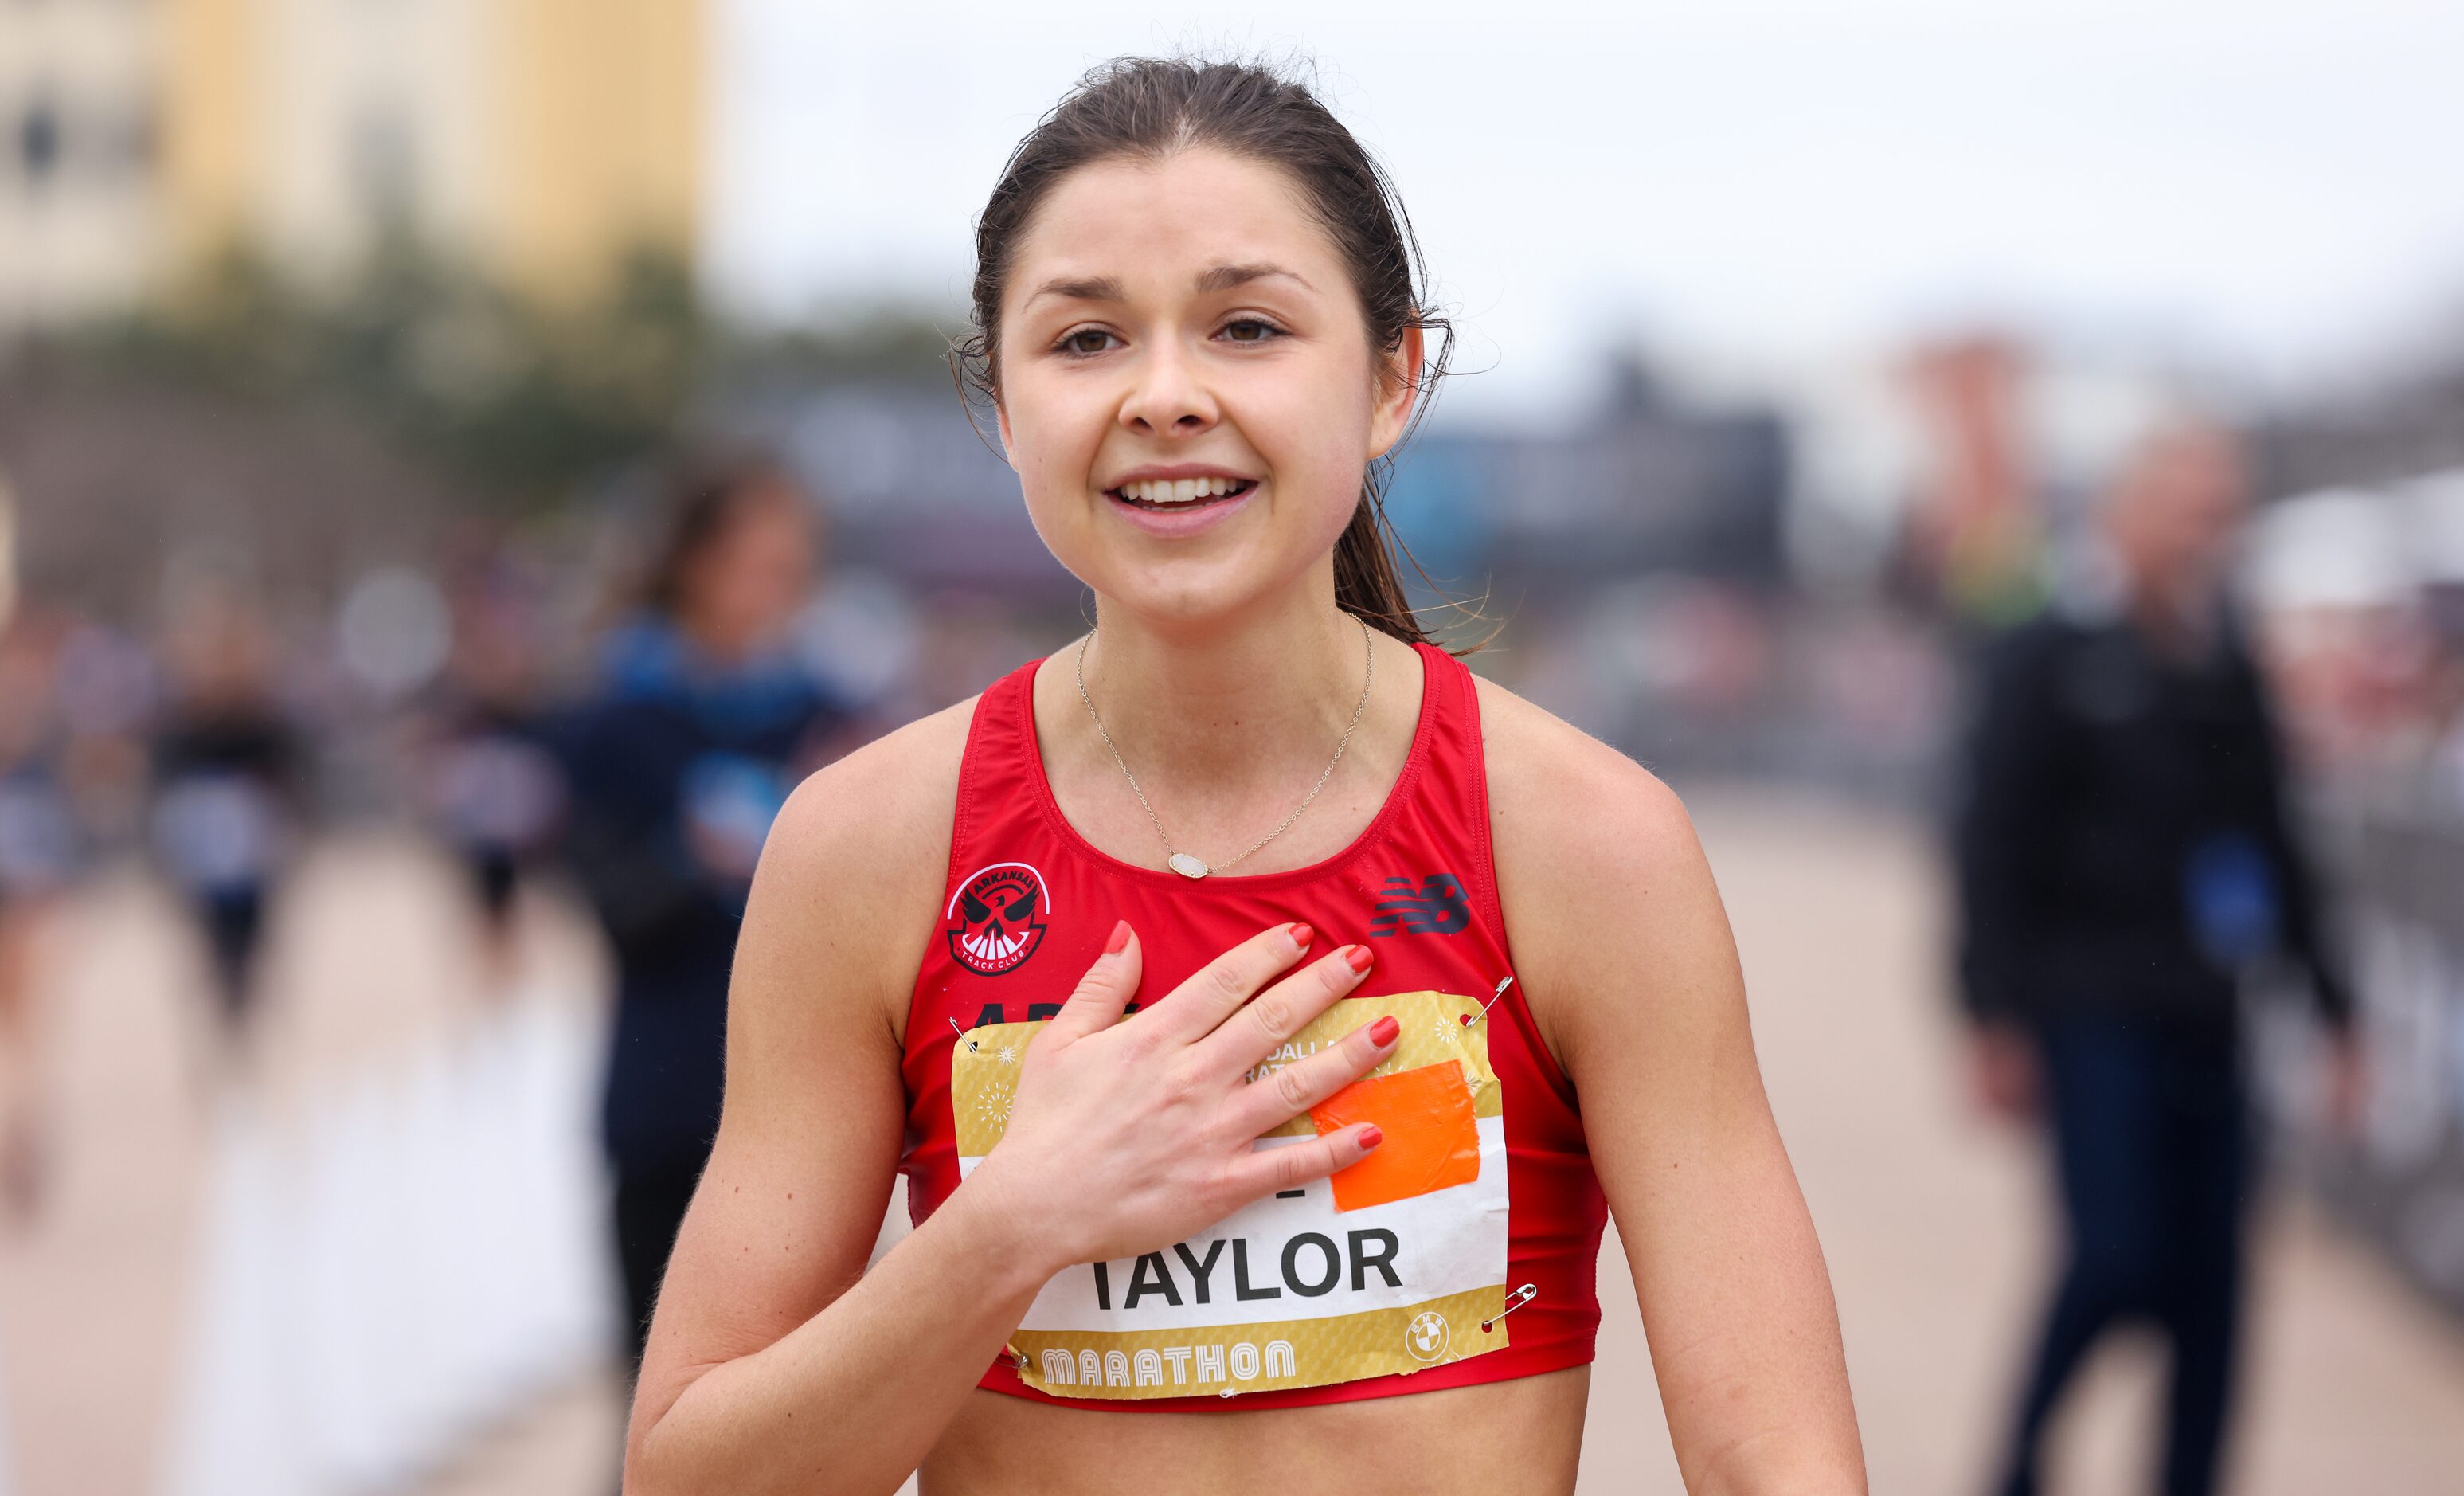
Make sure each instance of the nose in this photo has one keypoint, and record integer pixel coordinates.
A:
(1169, 397)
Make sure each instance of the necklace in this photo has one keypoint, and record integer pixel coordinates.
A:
(1183, 863)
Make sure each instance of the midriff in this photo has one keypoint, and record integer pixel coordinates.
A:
(1515, 1438)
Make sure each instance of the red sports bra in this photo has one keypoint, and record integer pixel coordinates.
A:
(1462, 1251)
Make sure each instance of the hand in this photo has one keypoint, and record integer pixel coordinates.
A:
(2002, 1073)
(1129, 1136)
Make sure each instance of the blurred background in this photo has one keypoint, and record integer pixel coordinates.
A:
(353, 353)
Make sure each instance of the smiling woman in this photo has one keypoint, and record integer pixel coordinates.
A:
(1327, 1216)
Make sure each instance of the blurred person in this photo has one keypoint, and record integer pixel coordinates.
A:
(107, 694)
(2125, 856)
(495, 789)
(1199, 322)
(704, 718)
(230, 782)
(39, 853)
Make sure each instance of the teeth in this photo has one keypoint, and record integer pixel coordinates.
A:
(1183, 491)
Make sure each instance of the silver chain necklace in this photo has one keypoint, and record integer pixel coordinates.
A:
(1183, 863)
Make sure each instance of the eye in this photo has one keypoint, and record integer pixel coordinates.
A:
(1250, 329)
(1084, 341)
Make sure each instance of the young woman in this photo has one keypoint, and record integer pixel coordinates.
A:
(1246, 959)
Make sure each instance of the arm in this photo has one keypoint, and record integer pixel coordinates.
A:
(776, 1362)
(620, 840)
(2005, 801)
(1596, 856)
(2304, 923)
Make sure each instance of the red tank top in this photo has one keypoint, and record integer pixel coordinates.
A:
(1356, 1288)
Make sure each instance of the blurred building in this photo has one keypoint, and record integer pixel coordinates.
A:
(1648, 484)
(542, 141)
(79, 96)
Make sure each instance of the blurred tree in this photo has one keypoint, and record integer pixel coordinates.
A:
(523, 406)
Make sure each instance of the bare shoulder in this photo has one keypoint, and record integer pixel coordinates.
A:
(1565, 807)
(1594, 854)
(884, 796)
(852, 872)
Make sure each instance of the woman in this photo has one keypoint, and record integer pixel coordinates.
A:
(674, 772)
(1199, 326)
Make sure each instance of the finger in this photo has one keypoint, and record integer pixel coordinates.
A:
(1275, 1015)
(1098, 1001)
(1199, 1005)
(1286, 1091)
(1269, 1169)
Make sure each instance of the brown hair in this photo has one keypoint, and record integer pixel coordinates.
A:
(1153, 108)
(705, 493)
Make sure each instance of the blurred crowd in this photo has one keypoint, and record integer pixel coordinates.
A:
(628, 729)
(620, 708)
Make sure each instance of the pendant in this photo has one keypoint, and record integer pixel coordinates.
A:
(1186, 865)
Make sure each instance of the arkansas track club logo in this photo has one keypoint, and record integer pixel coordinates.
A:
(997, 918)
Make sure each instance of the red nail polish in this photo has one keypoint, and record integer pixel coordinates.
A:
(1359, 957)
(1371, 1138)
(1382, 1032)
(1302, 935)
(1120, 939)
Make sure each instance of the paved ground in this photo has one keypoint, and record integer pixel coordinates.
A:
(1930, 1222)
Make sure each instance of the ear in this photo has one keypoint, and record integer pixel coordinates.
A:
(1398, 392)
(1001, 419)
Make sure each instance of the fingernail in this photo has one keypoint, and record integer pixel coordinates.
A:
(1359, 957)
(1382, 1032)
(1120, 938)
(1371, 1138)
(1302, 935)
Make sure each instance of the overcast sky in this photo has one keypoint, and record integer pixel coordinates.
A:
(1752, 185)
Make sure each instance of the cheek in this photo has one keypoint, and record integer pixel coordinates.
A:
(1053, 442)
(1314, 435)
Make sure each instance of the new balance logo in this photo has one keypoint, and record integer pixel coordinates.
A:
(1437, 906)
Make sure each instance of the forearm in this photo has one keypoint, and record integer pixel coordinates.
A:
(853, 1398)
(1757, 1397)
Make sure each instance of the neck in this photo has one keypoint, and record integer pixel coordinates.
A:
(1229, 703)
(2178, 620)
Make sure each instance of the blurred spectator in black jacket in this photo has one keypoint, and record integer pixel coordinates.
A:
(704, 719)
(2125, 859)
(231, 781)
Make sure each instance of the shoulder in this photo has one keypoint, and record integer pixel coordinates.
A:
(1552, 785)
(1594, 856)
(853, 868)
(2028, 648)
(882, 803)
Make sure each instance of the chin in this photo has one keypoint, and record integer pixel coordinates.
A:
(1189, 593)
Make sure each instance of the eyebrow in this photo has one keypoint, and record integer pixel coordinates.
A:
(1088, 288)
(1108, 288)
(1225, 278)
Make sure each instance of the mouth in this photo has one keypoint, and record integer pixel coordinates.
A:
(1179, 496)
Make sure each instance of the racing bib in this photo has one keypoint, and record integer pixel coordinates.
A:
(1396, 1263)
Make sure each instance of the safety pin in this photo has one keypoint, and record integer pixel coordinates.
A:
(1514, 1301)
(1017, 1356)
(962, 1036)
(1470, 1018)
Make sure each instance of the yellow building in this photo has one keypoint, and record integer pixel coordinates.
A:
(78, 222)
(539, 139)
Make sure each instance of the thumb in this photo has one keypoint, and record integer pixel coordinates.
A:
(1104, 991)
